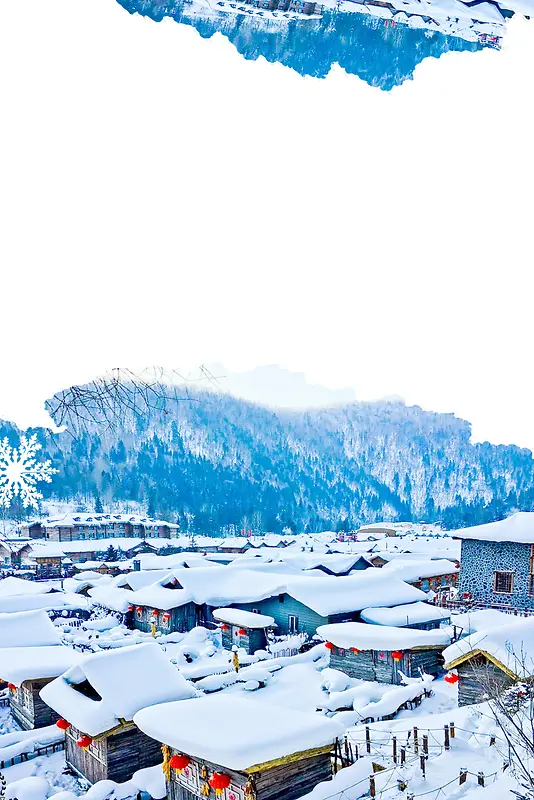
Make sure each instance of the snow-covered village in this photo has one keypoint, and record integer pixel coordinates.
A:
(141, 661)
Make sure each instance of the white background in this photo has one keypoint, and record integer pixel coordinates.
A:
(163, 201)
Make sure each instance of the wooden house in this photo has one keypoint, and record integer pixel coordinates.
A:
(380, 653)
(497, 562)
(492, 659)
(377, 530)
(33, 530)
(82, 525)
(243, 628)
(309, 602)
(236, 544)
(31, 655)
(48, 564)
(240, 749)
(163, 606)
(96, 706)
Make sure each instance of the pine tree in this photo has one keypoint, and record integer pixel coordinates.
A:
(111, 554)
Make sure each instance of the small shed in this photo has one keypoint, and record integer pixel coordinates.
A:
(492, 659)
(97, 700)
(243, 749)
(31, 655)
(420, 616)
(380, 652)
(243, 628)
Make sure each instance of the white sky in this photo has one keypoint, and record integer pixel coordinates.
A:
(164, 201)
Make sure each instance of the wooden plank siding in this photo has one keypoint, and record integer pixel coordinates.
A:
(28, 708)
(281, 781)
(252, 640)
(480, 677)
(282, 607)
(378, 665)
(183, 619)
(115, 757)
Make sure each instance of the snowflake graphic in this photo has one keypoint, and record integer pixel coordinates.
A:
(20, 472)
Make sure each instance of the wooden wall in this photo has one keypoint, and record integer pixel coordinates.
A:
(28, 708)
(183, 619)
(282, 782)
(479, 677)
(115, 757)
(253, 639)
(308, 620)
(375, 665)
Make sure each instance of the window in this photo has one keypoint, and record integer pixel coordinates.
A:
(503, 582)
(292, 624)
(255, 610)
(281, 598)
(425, 585)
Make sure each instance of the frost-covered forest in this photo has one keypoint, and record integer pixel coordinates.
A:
(216, 463)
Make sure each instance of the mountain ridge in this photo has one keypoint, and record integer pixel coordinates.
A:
(217, 463)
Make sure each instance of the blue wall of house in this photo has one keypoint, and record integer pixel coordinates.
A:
(479, 562)
(308, 620)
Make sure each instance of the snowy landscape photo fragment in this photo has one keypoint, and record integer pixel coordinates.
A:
(135, 658)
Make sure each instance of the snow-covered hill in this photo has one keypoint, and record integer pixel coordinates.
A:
(219, 462)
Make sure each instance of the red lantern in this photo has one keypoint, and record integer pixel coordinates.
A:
(396, 655)
(130, 608)
(155, 612)
(355, 650)
(84, 741)
(219, 781)
(166, 616)
(62, 724)
(139, 612)
(224, 627)
(452, 677)
(12, 687)
(242, 632)
(179, 761)
(329, 645)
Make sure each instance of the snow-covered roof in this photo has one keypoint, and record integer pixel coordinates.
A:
(400, 616)
(334, 562)
(139, 579)
(512, 646)
(127, 680)
(380, 637)
(111, 597)
(76, 519)
(245, 619)
(12, 587)
(369, 588)
(43, 548)
(473, 621)
(19, 664)
(149, 561)
(218, 729)
(49, 602)
(27, 629)
(222, 587)
(517, 528)
(414, 570)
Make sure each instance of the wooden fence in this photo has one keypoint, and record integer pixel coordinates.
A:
(39, 751)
